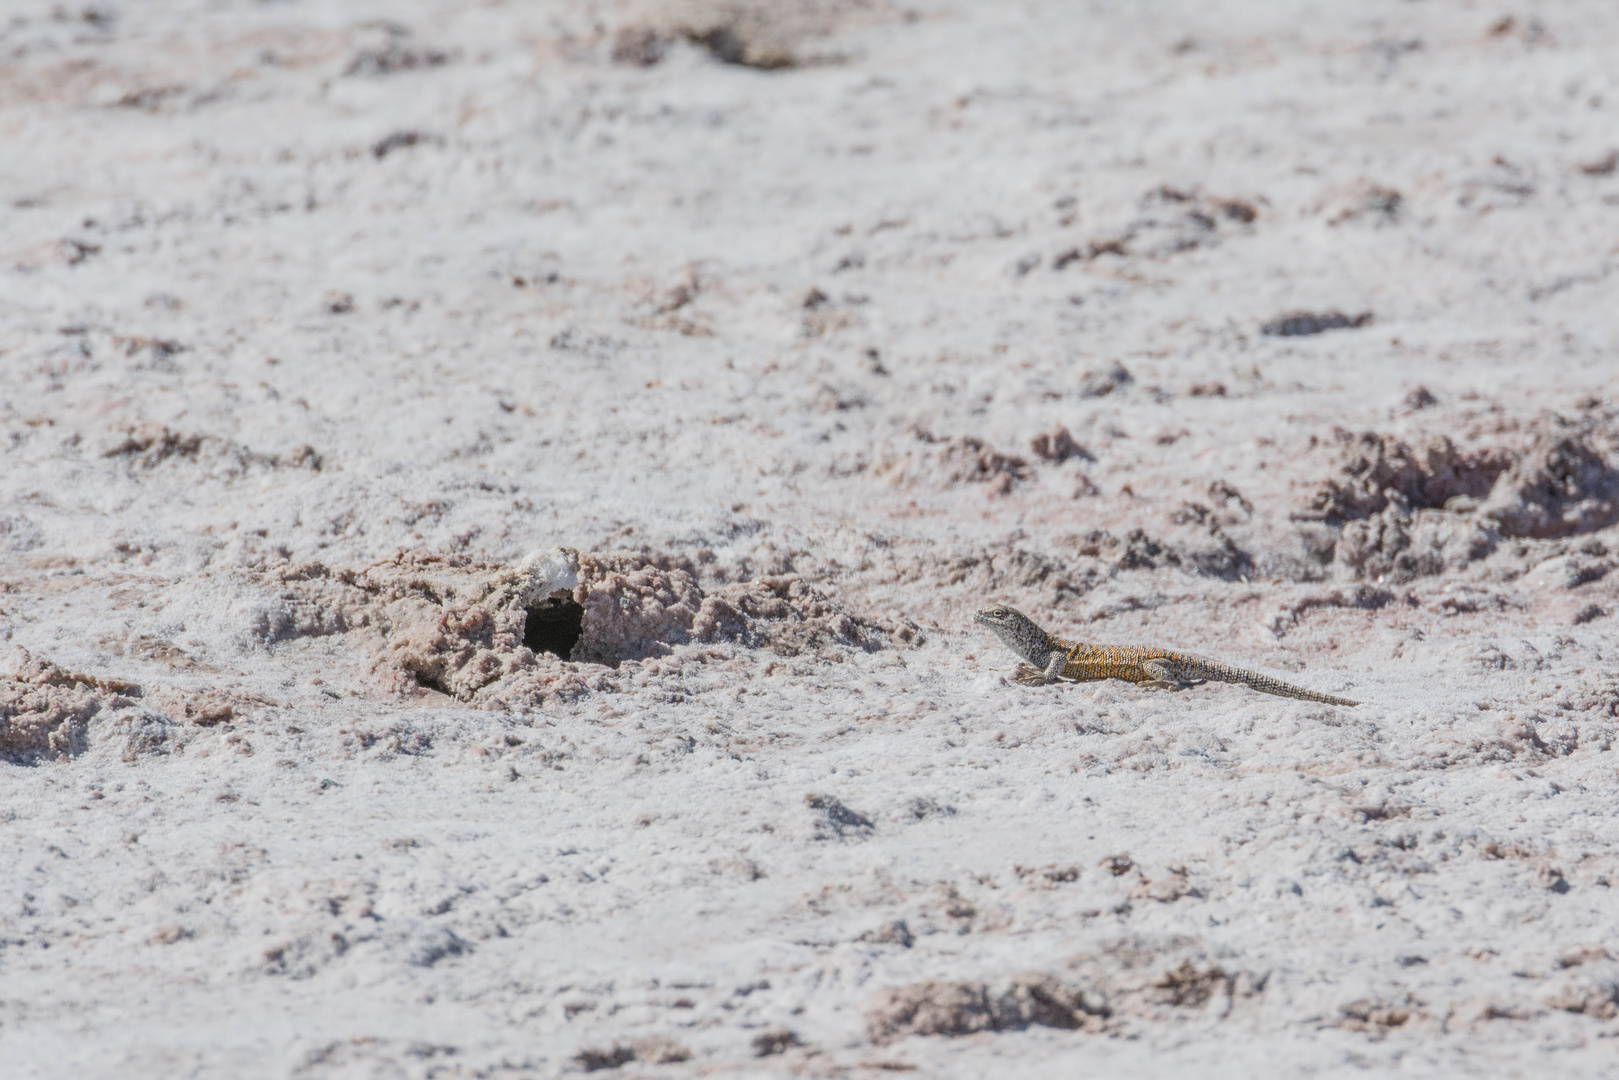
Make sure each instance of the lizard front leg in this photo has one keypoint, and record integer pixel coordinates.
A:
(1165, 675)
(1029, 675)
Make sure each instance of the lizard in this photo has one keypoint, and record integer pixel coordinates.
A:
(1051, 658)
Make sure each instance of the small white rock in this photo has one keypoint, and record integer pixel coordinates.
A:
(544, 573)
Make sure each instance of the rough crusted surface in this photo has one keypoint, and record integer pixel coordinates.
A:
(748, 33)
(44, 711)
(1377, 468)
(810, 328)
(1403, 512)
(1561, 486)
(634, 611)
(936, 1008)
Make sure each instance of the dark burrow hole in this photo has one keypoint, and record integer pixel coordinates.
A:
(427, 682)
(554, 626)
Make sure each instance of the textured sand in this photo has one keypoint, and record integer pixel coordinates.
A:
(810, 328)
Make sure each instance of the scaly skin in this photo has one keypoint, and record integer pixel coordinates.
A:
(1051, 658)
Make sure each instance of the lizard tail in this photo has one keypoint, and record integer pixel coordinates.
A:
(1286, 690)
(1267, 685)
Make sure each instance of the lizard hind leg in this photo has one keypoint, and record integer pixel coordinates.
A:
(1166, 676)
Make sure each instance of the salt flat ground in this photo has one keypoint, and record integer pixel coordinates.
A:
(811, 328)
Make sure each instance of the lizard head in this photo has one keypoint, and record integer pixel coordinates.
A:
(996, 615)
(1013, 627)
